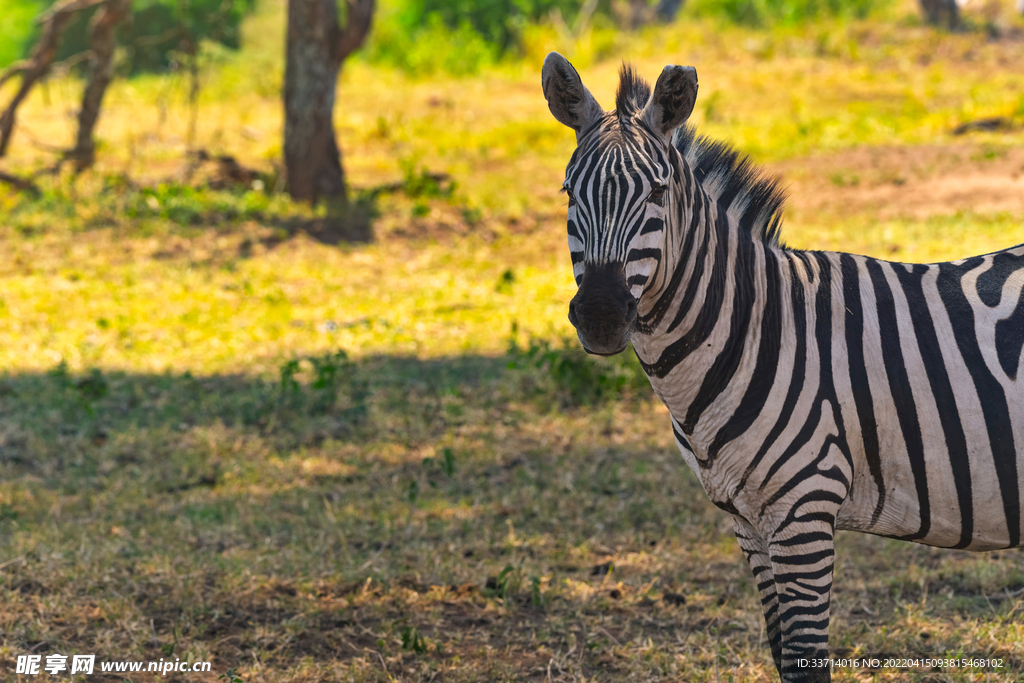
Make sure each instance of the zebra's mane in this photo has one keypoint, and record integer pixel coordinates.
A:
(632, 94)
(735, 182)
(729, 177)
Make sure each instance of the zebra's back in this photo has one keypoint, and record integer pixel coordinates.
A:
(936, 394)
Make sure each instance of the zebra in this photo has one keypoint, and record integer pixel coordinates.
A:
(809, 391)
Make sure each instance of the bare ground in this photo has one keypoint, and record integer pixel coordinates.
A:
(911, 182)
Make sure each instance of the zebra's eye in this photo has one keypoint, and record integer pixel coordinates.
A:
(570, 195)
(657, 194)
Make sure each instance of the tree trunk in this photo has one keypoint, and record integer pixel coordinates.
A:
(316, 48)
(38, 65)
(941, 12)
(667, 10)
(311, 154)
(104, 27)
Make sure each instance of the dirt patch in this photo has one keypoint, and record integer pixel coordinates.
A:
(915, 182)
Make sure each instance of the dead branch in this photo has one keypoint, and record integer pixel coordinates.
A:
(104, 26)
(61, 68)
(160, 37)
(992, 123)
(16, 69)
(54, 22)
(19, 183)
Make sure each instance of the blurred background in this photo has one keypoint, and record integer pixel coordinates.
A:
(286, 380)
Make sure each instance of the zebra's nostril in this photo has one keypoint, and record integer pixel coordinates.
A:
(630, 310)
(572, 314)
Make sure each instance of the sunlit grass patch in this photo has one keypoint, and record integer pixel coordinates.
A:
(246, 297)
(929, 240)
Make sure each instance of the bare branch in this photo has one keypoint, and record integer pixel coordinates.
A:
(65, 8)
(104, 25)
(62, 68)
(19, 183)
(160, 37)
(54, 22)
(16, 69)
(357, 27)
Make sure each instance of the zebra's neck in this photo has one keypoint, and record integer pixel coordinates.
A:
(702, 323)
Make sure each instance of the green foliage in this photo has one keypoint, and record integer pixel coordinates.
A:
(767, 12)
(536, 595)
(93, 387)
(315, 384)
(448, 462)
(319, 387)
(8, 513)
(230, 676)
(455, 36)
(564, 371)
(430, 47)
(505, 584)
(460, 37)
(17, 28)
(419, 183)
(84, 394)
(413, 641)
(186, 205)
(505, 282)
(144, 209)
(155, 39)
(213, 20)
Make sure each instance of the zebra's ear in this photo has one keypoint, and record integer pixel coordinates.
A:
(674, 96)
(568, 99)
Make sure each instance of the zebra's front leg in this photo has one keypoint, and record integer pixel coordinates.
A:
(756, 551)
(802, 555)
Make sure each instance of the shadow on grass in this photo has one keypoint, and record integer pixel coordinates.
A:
(218, 204)
(77, 433)
(293, 516)
(472, 516)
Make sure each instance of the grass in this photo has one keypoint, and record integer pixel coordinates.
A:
(190, 468)
(411, 518)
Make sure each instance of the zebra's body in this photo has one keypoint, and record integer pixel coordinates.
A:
(809, 391)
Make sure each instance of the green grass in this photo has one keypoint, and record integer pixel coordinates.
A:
(190, 468)
(431, 516)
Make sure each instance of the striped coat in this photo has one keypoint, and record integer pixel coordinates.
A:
(809, 391)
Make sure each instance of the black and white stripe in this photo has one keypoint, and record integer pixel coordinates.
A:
(809, 391)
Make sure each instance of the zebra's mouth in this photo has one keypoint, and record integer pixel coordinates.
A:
(602, 353)
(603, 310)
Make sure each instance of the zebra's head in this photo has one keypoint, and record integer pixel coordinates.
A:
(621, 184)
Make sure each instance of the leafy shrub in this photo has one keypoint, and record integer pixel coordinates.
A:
(431, 47)
(113, 201)
(186, 205)
(574, 378)
(418, 182)
(153, 39)
(456, 36)
(766, 12)
(317, 384)
(462, 36)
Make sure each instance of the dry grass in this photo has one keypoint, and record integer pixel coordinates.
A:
(426, 512)
(217, 518)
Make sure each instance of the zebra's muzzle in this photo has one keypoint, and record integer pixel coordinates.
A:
(603, 310)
